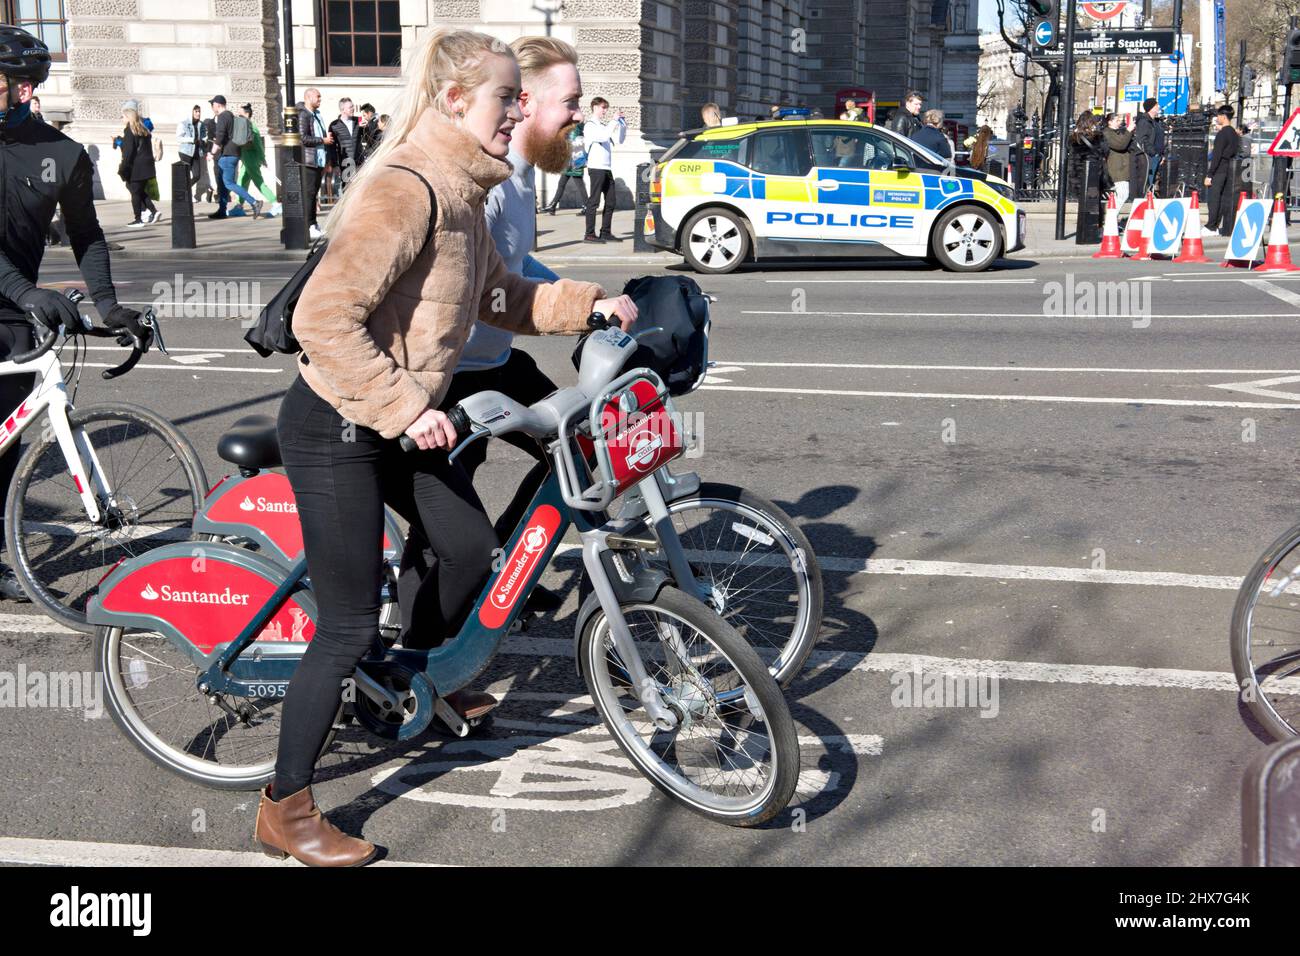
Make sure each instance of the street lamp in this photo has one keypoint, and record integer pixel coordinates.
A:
(549, 10)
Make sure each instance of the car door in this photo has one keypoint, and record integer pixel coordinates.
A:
(867, 188)
(782, 186)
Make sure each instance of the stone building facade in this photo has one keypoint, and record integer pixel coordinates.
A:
(658, 60)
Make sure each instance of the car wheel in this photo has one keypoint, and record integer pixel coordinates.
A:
(715, 241)
(967, 239)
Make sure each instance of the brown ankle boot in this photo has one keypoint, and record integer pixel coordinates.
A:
(294, 827)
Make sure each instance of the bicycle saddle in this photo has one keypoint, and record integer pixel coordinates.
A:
(251, 443)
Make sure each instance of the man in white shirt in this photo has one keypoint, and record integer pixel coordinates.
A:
(600, 133)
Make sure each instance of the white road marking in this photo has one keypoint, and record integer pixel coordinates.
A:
(738, 365)
(171, 348)
(908, 280)
(1019, 315)
(200, 358)
(83, 853)
(965, 569)
(876, 661)
(1277, 292)
(960, 396)
(1263, 387)
(186, 368)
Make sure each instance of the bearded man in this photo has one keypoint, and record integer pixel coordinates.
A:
(551, 103)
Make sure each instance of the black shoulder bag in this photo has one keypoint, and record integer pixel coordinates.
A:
(273, 330)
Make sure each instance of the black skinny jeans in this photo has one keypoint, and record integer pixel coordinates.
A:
(519, 378)
(342, 475)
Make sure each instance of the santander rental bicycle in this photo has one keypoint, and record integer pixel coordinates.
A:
(197, 643)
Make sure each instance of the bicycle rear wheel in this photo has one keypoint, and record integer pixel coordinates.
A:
(759, 570)
(157, 484)
(1265, 637)
(734, 755)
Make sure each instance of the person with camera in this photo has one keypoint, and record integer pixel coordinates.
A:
(600, 134)
(42, 169)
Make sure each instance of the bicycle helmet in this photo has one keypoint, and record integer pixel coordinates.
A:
(23, 56)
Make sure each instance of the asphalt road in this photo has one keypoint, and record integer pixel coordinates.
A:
(995, 482)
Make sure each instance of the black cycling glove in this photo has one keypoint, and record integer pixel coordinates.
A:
(54, 310)
(132, 333)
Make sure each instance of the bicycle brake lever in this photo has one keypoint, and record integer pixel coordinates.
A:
(474, 436)
(150, 321)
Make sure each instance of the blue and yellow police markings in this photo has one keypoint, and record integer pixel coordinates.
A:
(941, 191)
(710, 178)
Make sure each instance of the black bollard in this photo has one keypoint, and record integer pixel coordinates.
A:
(293, 224)
(1087, 227)
(182, 207)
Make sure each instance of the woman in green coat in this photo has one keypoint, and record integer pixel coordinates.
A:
(252, 158)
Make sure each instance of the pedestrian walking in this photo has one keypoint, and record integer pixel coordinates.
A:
(979, 145)
(572, 175)
(368, 131)
(193, 149)
(347, 142)
(231, 135)
(907, 120)
(932, 136)
(316, 141)
(1119, 158)
(137, 167)
(711, 115)
(1219, 178)
(252, 158)
(600, 134)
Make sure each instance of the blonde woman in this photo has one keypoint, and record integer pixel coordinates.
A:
(382, 322)
(137, 165)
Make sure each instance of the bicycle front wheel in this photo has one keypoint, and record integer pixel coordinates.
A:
(156, 485)
(733, 756)
(1265, 637)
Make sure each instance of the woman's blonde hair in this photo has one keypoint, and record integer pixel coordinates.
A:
(932, 117)
(134, 123)
(445, 60)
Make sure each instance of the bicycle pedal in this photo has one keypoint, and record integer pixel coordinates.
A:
(454, 721)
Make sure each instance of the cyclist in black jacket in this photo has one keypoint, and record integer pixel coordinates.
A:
(40, 169)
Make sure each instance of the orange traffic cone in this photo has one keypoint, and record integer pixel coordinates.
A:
(1193, 247)
(1110, 234)
(1234, 263)
(1143, 253)
(1277, 257)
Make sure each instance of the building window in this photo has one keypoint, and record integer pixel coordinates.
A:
(361, 36)
(42, 18)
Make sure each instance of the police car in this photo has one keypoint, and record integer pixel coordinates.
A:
(826, 188)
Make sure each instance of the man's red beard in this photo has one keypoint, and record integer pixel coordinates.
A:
(549, 155)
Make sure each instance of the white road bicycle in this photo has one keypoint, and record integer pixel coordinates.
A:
(100, 484)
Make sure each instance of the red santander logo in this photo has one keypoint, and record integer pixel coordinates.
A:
(524, 561)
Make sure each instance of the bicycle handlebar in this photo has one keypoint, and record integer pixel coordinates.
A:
(459, 421)
(148, 320)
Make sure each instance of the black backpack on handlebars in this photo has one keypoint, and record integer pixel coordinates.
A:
(680, 354)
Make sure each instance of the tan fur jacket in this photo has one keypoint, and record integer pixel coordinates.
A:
(384, 318)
